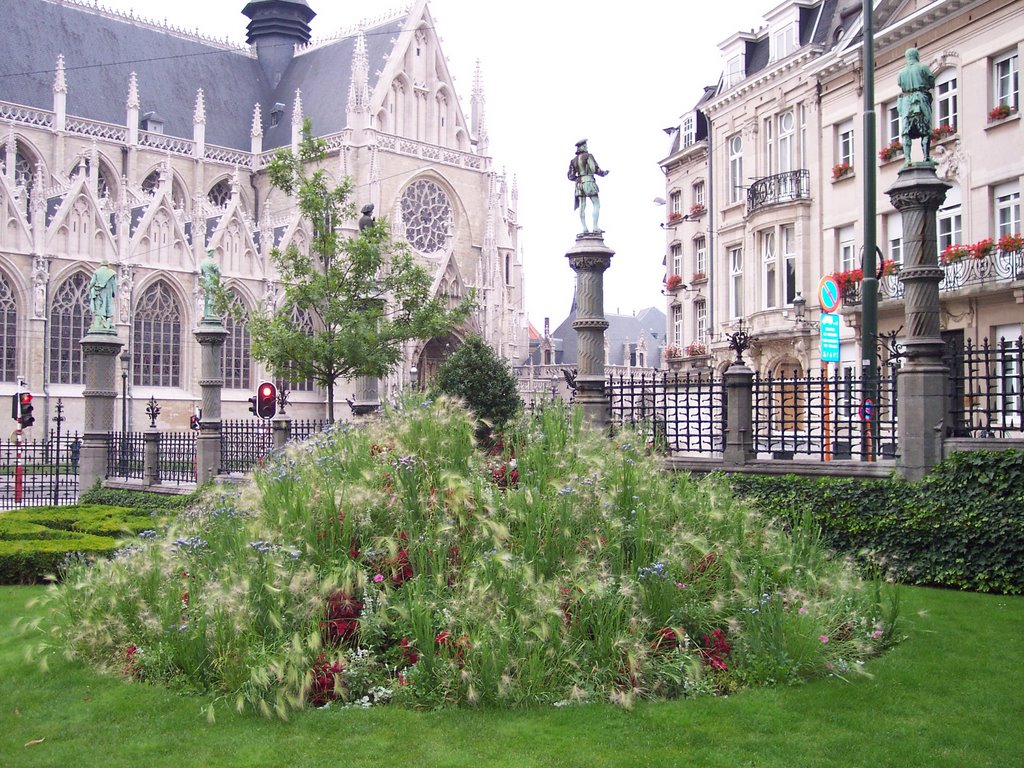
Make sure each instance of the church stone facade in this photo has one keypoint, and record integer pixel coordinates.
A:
(126, 141)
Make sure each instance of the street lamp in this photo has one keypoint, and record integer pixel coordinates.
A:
(800, 313)
(125, 364)
(414, 382)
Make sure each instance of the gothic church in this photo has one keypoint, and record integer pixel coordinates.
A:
(128, 141)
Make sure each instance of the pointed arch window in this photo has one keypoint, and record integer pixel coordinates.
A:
(156, 342)
(69, 322)
(150, 183)
(237, 344)
(220, 193)
(303, 319)
(8, 331)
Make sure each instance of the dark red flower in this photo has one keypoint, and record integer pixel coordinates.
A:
(409, 654)
(715, 650)
(322, 686)
(341, 623)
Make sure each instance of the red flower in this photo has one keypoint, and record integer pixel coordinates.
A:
(342, 620)
(401, 567)
(322, 688)
(673, 282)
(715, 650)
(409, 654)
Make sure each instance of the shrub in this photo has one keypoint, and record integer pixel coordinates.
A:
(35, 540)
(475, 373)
(394, 563)
(963, 526)
(124, 497)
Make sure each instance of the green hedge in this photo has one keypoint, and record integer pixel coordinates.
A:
(962, 526)
(141, 500)
(35, 541)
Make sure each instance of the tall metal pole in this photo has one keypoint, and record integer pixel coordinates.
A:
(869, 317)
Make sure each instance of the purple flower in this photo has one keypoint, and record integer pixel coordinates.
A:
(378, 578)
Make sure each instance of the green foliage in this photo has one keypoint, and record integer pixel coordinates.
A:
(962, 526)
(398, 562)
(475, 373)
(349, 304)
(139, 500)
(35, 542)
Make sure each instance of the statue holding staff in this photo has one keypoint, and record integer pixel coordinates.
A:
(582, 170)
(209, 276)
(102, 290)
(914, 105)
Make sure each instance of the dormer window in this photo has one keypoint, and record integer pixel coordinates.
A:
(275, 114)
(734, 70)
(688, 131)
(783, 41)
(152, 122)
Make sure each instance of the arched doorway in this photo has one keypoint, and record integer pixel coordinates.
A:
(435, 352)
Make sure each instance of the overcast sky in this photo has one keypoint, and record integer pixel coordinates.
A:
(556, 72)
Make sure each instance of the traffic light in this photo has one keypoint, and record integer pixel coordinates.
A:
(193, 422)
(25, 409)
(266, 400)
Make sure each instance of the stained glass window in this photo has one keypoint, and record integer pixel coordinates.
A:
(303, 319)
(8, 331)
(156, 355)
(427, 214)
(69, 322)
(220, 194)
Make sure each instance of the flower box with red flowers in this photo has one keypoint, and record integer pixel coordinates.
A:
(954, 253)
(695, 349)
(674, 282)
(698, 209)
(674, 217)
(1001, 112)
(673, 352)
(699, 277)
(1011, 243)
(982, 249)
(942, 132)
(841, 170)
(885, 154)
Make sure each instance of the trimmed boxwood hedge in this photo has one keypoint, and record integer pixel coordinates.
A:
(962, 526)
(35, 541)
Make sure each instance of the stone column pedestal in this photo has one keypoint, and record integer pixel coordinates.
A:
(281, 431)
(589, 258)
(151, 457)
(917, 195)
(210, 336)
(739, 414)
(99, 351)
(366, 402)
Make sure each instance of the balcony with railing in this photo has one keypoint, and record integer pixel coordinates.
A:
(985, 268)
(779, 188)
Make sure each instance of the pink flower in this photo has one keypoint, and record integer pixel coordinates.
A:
(680, 585)
(876, 634)
(378, 578)
(802, 610)
(823, 638)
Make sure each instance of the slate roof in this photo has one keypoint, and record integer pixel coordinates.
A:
(622, 329)
(101, 50)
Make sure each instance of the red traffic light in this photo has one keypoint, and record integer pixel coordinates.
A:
(24, 410)
(266, 400)
(26, 398)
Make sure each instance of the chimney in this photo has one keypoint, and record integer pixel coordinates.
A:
(275, 28)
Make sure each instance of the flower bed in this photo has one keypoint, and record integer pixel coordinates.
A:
(895, 148)
(841, 170)
(695, 349)
(399, 563)
(674, 217)
(942, 132)
(1001, 112)
(849, 277)
(697, 209)
(673, 282)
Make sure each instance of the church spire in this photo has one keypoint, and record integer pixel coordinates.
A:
(478, 105)
(359, 86)
(60, 83)
(133, 92)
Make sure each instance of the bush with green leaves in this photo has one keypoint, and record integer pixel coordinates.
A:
(401, 563)
(962, 526)
(36, 541)
(475, 373)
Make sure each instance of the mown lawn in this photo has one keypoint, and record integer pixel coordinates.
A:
(951, 695)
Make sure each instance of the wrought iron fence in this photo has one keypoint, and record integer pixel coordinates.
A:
(39, 472)
(303, 429)
(244, 444)
(126, 455)
(680, 413)
(834, 417)
(986, 387)
(176, 457)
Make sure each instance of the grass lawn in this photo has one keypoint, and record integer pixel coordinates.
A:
(948, 696)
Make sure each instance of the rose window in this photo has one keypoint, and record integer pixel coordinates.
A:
(427, 214)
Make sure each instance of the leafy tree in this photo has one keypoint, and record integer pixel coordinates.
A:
(366, 294)
(475, 373)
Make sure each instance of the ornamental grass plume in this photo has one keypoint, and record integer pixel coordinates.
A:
(590, 575)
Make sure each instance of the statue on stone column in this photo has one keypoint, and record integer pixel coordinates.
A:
(102, 290)
(914, 105)
(210, 278)
(582, 170)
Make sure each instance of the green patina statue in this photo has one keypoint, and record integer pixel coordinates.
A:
(210, 278)
(582, 169)
(102, 290)
(916, 81)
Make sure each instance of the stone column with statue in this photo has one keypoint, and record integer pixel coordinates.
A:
(210, 334)
(589, 259)
(917, 195)
(100, 348)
